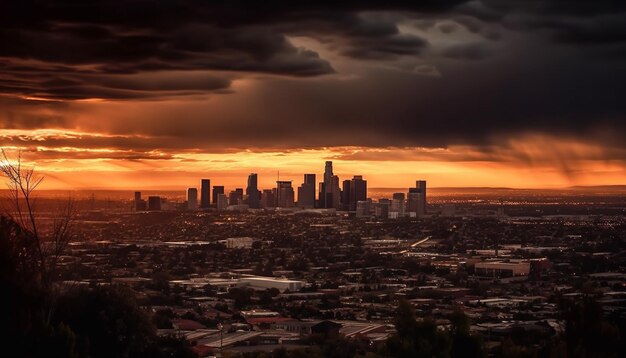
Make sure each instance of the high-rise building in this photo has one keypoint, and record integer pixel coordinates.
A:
(205, 193)
(154, 203)
(306, 192)
(335, 197)
(252, 191)
(417, 203)
(268, 198)
(329, 192)
(217, 190)
(192, 199)
(412, 202)
(235, 197)
(221, 201)
(358, 191)
(345, 195)
(140, 204)
(284, 194)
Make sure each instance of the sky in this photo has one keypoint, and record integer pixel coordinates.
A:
(158, 94)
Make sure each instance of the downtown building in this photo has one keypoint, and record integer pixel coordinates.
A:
(192, 199)
(306, 192)
(205, 193)
(252, 192)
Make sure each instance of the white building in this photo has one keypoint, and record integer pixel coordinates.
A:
(281, 284)
(239, 242)
(502, 268)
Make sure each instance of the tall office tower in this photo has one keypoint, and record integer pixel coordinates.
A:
(221, 201)
(235, 197)
(335, 194)
(329, 192)
(358, 191)
(284, 194)
(217, 190)
(252, 191)
(306, 192)
(345, 195)
(140, 204)
(154, 203)
(268, 199)
(321, 200)
(205, 193)
(412, 202)
(192, 199)
(420, 200)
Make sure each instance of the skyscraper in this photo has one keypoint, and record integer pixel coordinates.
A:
(358, 191)
(252, 191)
(221, 201)
(235, 197)
(329, 193)
(268, 199)
(335, 193)
(154, 203)
(140, 204)
(306, 192)
(205, 193)
(192, 199)
(345, 195)
(217, 190)
(417, 198)
(284, 194)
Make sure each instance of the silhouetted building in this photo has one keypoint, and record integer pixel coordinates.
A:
(222, 201)
(205, 193)
(345, 195)
(336, 193)
(235, 197)
(284, 194)
(217, 190)
(397, 204)
(329, 192)
(140, 204)
(192, 199)
(306, 192)
(252, 191)
(358, 191)
(154, 203)
(268, 198)
(417, 203)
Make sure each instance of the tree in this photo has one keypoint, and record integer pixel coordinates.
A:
(416, 338)
(463, 344)
(45, 245)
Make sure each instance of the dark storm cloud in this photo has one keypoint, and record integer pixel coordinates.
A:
(70, 39)
(557, 68)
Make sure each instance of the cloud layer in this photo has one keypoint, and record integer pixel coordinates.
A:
(144, 81)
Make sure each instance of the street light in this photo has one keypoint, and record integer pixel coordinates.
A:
(221, 328)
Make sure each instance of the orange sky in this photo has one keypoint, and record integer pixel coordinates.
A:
(530, 162)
